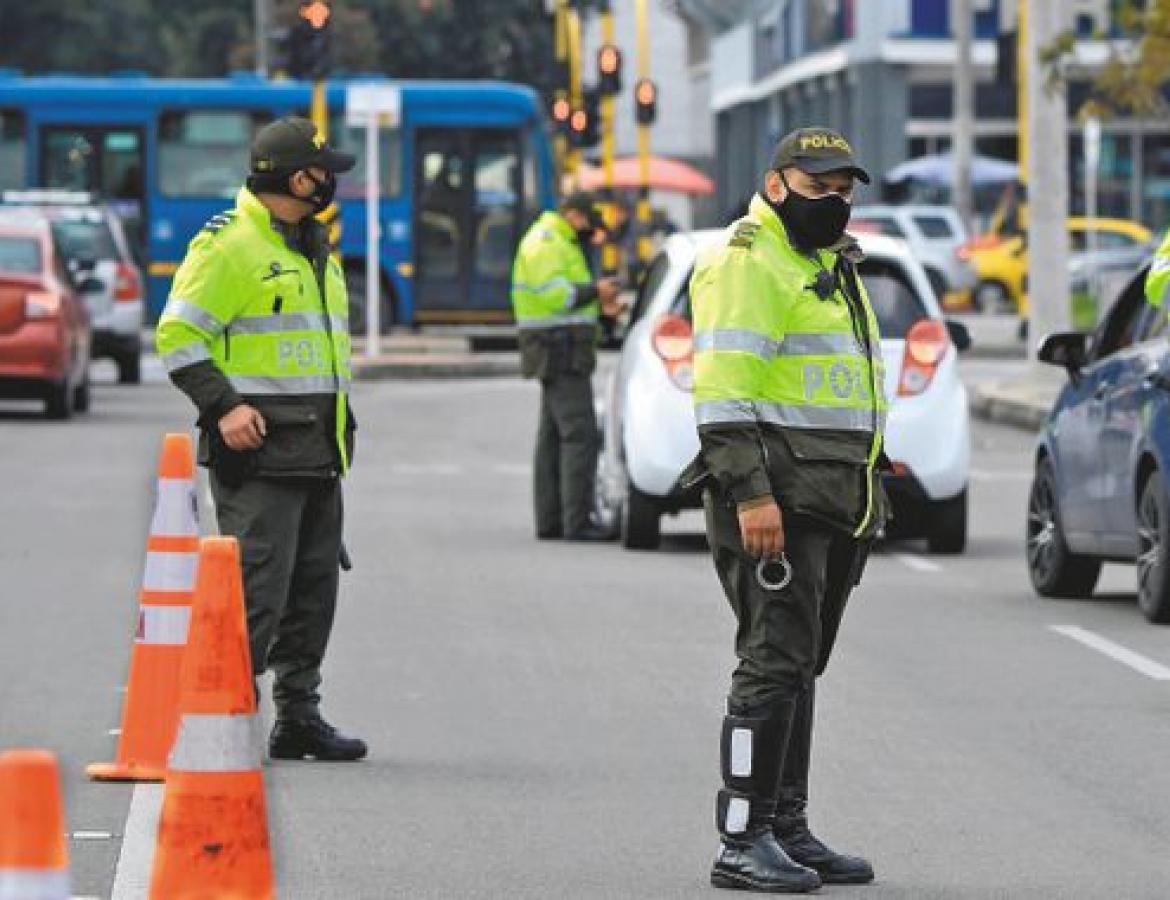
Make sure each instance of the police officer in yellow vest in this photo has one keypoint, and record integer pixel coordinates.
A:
(557, 305)
(1158, 278)
(790, 410)
(256, 334)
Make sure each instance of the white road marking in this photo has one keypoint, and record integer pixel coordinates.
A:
(136, 858)
(917, 563)
(92, 836)
(1123, 655)
(114, 732)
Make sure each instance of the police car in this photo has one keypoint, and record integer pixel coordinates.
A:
(649, 423)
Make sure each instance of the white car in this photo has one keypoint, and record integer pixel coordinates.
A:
(934, 233)
(649, 423)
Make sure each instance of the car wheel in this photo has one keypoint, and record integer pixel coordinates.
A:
(947, 524)
(1054, 569)
(59, 401)
(81, 396)
(129, 369)
(1153, 528)
(640, 522)
(991, 298)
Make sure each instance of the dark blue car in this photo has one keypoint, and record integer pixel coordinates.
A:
(1103, 461)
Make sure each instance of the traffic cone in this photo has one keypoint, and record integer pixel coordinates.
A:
(34, 864)
(213, 831)
(150, 715)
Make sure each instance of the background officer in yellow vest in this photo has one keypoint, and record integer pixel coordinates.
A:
(557, 305)
(790, 409)
(256, 334)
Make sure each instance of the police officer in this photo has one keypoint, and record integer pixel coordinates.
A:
(255, 333)
(790, 411)
(557, 305)
(1158, 278)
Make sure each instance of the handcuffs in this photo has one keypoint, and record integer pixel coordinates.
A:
(785, 578)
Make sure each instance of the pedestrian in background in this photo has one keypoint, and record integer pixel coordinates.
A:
(790, 410)
(558, 305)
(256, 334)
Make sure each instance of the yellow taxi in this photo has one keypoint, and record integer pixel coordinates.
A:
(1002, 265)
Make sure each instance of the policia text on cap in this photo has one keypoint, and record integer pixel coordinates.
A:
(790, 410)
(255, 333)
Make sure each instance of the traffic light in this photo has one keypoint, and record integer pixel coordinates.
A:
(585, 122)
(561, 111)
(646, 101)
(309, 41)
(609, 70)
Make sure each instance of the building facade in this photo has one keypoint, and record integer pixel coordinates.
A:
(883, 72)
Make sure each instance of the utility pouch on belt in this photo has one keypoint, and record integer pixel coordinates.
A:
(231, 467)
(297, 441)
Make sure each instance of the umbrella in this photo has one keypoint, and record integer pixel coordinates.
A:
(665, 175)
(940, 170)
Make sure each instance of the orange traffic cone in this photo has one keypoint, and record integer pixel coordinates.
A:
(213, 831)
(151, 715)
(34, 864)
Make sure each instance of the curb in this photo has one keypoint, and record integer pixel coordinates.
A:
(994, 405)
(401, 366)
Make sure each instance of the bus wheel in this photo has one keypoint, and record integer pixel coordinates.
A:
(355, 288)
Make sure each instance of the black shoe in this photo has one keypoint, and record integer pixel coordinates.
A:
(298, 738)
(807, 849)
(591, 533)
(760, 864)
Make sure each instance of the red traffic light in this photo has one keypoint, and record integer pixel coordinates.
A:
(316, 13)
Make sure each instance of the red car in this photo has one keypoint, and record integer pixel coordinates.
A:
(44, 326)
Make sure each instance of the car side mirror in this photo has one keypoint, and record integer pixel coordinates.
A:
(1067, 349)
(960, 335)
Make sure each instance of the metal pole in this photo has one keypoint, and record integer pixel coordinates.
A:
(1022, 69)
(609, 253)
(561, 45)
(1091, 139)
(573, 31)
(260, 17)
(1047, 174)
(964, 101)
(645, 246)
(373, 203)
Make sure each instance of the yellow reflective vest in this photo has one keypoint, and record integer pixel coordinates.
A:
(1158, 278)
(548, 275)
(774, 360)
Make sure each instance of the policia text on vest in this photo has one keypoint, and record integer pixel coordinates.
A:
(557, 305)
(790, 411)
(256, 334)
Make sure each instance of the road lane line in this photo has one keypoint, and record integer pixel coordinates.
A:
(917, 563)
(92, 836)
(136, 858)
(1123, 655)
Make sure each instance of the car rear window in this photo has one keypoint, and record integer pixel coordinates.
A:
(934, 227)
(895, 302)
(20, 255)
(868, 224)
(84, 238)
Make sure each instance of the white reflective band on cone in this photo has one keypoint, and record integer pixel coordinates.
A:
(34, 884)
(170, 571)
(174, 510)
(163, 625)
(741, 752)
(737, 815)
(217, 744)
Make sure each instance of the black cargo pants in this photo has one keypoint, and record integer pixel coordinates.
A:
(784, 638)
(290, 542)
(565, 464)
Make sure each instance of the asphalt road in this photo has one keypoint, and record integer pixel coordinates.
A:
(544, 718)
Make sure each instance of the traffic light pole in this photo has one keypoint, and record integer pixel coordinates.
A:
(573, 35)
(645, 246)
(610, 255)
(561, 45)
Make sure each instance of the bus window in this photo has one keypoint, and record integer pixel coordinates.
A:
(497, 183)
(531, 174)
(205, 153)
(12, 142)
(352, 186)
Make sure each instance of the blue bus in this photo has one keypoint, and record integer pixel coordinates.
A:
(464, 172)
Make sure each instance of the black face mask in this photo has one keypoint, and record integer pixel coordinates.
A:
(812, 224)
(326, 189)
(279, 183)
(585, 236)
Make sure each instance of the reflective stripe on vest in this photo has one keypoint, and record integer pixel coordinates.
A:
(285, 322)
(838, 418)
(556, 322)
(737, 340)
(194, 315)
(288, 384)
(185, 356)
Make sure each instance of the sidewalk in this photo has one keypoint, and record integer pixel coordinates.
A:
(430, 356)
(1021, 401)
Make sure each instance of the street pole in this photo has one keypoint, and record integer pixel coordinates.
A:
(573, 34)
(1091, 139)
(609, 253)
(373, 204)
(561, 48)
(1047, 174)
(1023, 67)
(962, 22)
(645, 246)
(260, 17)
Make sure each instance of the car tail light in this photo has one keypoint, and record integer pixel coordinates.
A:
(41, 304)
(673, 341)
(127, 284)
(926, 345)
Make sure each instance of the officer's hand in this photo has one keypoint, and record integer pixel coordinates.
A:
(243, 428)
(761, 527)
(608, 289)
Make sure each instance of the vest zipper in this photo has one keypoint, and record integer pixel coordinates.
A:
(861, 330)
(227, 342)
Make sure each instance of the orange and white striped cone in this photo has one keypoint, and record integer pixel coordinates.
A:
(213, 831)
(151, 714)
(34, 864)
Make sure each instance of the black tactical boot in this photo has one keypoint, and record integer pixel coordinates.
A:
(313, 736)
(791, 828)
(750, 858)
